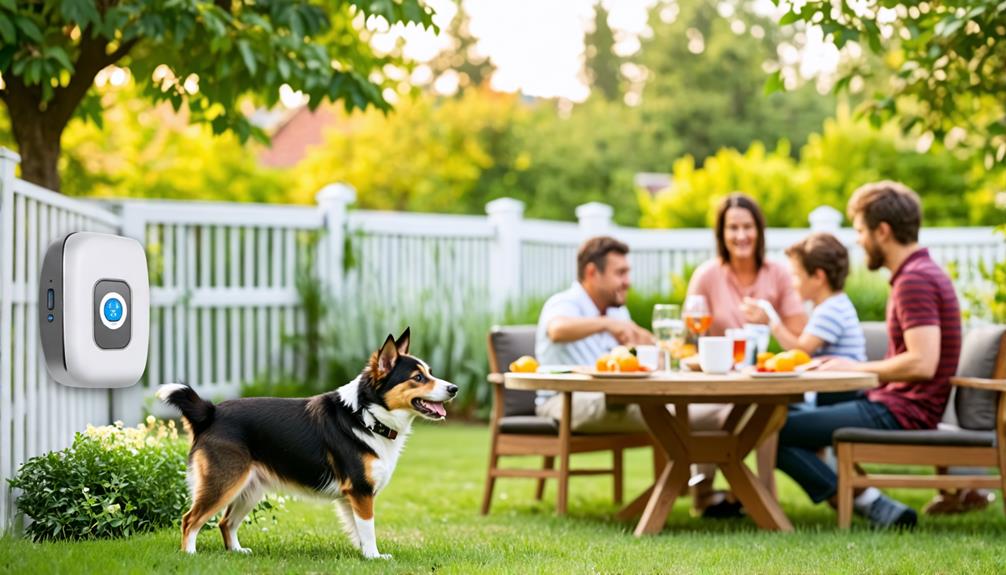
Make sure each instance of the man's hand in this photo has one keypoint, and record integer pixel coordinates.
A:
(625, 332)
(643, 336)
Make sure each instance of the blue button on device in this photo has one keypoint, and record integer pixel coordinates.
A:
(113, 309)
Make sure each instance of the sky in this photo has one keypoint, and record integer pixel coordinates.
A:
(537, 45)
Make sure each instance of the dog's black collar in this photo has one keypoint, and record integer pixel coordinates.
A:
(378, 427)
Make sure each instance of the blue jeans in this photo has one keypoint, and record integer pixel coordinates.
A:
(807, 431)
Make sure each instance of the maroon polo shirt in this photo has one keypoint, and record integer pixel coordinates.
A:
(921, 295)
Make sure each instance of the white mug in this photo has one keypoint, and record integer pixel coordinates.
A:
(648, 356)
(716, 354)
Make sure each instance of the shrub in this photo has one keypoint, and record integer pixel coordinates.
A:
(868, 292)
(113, 481)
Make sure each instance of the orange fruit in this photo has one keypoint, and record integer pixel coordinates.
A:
(763, 359)
(800, 356)
(785, 363)
(602, 363)
(524, 364)
(628, 363)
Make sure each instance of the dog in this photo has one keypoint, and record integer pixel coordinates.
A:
(343, 444)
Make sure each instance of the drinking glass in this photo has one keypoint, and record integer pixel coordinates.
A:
(697, 316)
(740, 340)
(669, 331)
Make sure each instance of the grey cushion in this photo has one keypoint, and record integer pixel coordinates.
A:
(876, 339)
(976, 408)
(529, 425)
(962, 438)
(509, 343)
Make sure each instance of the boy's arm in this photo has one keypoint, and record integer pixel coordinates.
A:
(789, 340)
(919, 361)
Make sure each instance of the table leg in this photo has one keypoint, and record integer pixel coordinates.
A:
(757, 500)
(665, 492)
(666, 435)
(635, 507)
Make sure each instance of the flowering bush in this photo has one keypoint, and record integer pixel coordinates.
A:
(113, 481)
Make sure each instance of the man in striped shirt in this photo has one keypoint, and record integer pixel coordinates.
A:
(924, 340)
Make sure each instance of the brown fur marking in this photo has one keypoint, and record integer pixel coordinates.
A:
(216, 485)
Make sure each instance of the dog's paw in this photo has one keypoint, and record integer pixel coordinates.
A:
(242, 550)
(375, 555)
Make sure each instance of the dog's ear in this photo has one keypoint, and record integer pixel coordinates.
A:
(403, 342)
(383, 361)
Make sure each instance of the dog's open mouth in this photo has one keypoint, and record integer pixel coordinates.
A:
(433, 409)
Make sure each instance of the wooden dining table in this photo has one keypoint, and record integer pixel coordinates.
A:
(759, 408)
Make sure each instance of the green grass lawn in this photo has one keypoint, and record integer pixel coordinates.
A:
(428, 519)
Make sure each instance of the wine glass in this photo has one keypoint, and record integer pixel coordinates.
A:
(696, 315)
(669, 331)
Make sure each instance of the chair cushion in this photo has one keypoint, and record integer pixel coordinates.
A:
(939, 437)
(976, 408)
(529, 425)
(876, 339)
(509, 343)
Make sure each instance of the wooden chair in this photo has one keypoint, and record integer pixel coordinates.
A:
(980, 404)
(516, 430)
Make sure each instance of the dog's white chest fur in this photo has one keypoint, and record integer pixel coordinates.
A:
(387, 450)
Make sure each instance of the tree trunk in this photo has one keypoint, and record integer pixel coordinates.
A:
(39, 140)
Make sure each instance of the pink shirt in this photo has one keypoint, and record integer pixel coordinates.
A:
(724, 294)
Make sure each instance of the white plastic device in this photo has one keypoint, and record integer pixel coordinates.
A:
(94, 310)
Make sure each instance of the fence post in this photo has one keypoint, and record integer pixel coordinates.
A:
(595, 219)
(505, 217)
(8, 163)
(825, 219)
(334, 201)
(127, 403)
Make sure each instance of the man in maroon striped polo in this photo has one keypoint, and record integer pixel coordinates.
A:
(924, 341)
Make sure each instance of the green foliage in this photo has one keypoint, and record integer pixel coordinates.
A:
(207, 56)
(844, 156)
(947, 58)
(770, 177)
(251, 50)
(986, 300)
(111, 482)
(869, 292)
(139, 151)
(428, 156)
(705, 82)
(601, 64)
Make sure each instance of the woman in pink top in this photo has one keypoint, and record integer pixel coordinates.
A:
(740, 271)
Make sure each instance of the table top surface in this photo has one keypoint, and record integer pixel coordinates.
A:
(692, 383)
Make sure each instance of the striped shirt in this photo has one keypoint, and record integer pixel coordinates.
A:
(836, 323)
(921, 295)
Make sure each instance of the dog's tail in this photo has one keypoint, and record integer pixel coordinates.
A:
(197, 411)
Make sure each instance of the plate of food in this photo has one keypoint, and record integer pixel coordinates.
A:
(620, 363)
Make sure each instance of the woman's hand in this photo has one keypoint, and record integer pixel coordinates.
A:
(753, 313)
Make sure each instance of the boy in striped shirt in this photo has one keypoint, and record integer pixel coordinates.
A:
(819, 264)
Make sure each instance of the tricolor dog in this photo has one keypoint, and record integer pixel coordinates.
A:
(343, 444)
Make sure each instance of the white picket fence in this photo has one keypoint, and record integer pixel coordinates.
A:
(223, 291)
